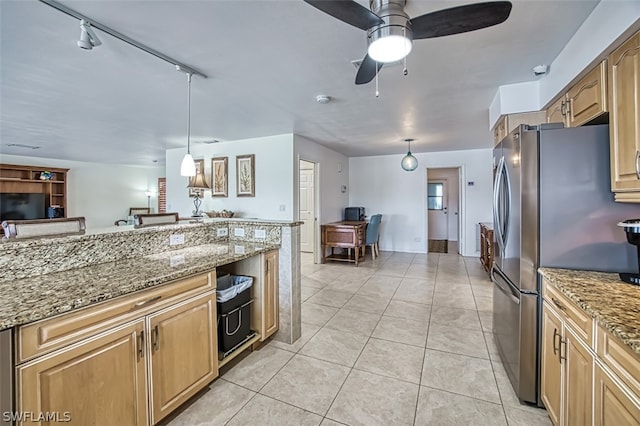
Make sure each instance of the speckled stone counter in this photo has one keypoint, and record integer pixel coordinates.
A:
(30, 299)
(613, 303)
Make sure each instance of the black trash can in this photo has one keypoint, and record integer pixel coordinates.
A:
(233, 297)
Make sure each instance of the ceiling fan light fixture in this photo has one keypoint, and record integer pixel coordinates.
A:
(389, 48)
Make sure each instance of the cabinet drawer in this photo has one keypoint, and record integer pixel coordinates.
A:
(52, 333)
(619, 358)
(580, 321)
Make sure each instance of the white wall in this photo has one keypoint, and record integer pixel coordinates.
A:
(274, 174)
(102, 193)
(610, 23)
(380, 185)
(333, 170)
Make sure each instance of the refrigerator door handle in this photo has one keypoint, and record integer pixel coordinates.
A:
(505, 224)
(506, 291)
(496, 202)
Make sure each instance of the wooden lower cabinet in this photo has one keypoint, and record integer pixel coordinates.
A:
(566, 371)
(551, 368)
(271, 295)
(578, 384)
(614, 405)
(101, 381)
(182, 361)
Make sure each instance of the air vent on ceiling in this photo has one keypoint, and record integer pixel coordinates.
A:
(208, 142)
(19, 145)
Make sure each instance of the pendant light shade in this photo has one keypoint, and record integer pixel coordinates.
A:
(409, 162)
(188, 166)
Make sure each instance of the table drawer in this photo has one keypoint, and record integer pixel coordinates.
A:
(50, 334)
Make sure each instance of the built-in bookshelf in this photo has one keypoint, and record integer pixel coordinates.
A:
(50, 181)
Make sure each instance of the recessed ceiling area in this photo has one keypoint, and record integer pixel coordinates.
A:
(267, 61)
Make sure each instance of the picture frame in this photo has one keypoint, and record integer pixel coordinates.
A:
(220, 177)
(199, 168)
(245, 175)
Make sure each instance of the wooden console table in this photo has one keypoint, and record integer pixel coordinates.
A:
(345, 235)
(486, 245)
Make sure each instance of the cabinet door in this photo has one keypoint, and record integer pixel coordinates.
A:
(99, 382)
(556, 113)
(578, 384)
(624, 74)
(552, 375)
(613, 405)
(270, 299)
(183, 345)
(500, 130)
(588, 97)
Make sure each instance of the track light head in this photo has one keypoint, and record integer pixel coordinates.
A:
(88, 38)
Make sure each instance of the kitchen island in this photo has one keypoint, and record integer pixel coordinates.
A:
(78, 306)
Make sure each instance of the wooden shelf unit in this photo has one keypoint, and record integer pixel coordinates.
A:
(26, 179)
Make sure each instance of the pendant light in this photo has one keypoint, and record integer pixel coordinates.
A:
(188, 166)
(409, 162)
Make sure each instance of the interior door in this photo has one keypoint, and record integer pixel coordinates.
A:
(307, 206)
(437, 210)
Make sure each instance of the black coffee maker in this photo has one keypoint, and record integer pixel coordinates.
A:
(632, 228)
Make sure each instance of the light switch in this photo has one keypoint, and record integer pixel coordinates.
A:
(176, 239)
(238, 232)
(222, 232)
(260, 233)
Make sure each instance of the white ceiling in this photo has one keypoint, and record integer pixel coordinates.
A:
(266, 61)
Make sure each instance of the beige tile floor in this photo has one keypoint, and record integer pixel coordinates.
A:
(402, 340)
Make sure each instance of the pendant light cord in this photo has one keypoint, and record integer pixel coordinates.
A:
(189, 114)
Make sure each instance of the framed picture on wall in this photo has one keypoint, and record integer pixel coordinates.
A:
(219, 177)
(199, 169)
(245, 175)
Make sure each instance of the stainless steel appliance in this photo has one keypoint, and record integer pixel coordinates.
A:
(553, 207)
(632, 229)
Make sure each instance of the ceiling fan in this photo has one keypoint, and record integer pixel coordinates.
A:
(390, 31)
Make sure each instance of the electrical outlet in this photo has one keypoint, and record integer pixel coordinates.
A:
(176, 239)
(238, 249)
(283, 207)
(176, 260)
(238, 232)
(222, 232)
(260, 233)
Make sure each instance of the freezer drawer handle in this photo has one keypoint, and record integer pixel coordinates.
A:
(506, 292)
(558, 304)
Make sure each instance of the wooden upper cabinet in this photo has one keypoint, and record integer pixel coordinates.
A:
(587, 99)
(500, 130)
(556, 113)
(624, 128)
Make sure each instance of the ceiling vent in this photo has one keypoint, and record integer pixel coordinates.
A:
(19, 145)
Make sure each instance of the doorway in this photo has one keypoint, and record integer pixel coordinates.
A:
(443, 201)
(307, 209)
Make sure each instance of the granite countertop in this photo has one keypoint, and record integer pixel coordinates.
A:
(31, 299)
(613, 303)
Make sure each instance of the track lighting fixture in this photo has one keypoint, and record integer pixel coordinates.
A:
(88, 38)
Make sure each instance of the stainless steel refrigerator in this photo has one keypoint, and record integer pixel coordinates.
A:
(553, 207)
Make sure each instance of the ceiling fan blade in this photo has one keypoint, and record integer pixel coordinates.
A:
(348, 11)
(367, 70)
(460, 19)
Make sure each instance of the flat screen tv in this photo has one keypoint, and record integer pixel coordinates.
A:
(20, 206)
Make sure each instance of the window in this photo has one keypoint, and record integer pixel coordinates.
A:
(162, 195)
(434, 196)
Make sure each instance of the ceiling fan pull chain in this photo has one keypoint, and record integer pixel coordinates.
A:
(404, 71)
(377, 92)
